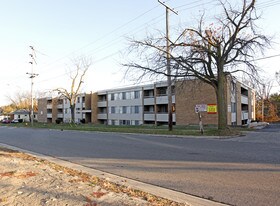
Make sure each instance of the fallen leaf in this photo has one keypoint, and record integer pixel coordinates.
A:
(89, 202)
(26, 175)
(7, 174)
(98, 194)
(3, 199)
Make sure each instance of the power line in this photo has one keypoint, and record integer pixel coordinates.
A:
(104, 36)
(269, 3)
(268, 57)
(193, 5)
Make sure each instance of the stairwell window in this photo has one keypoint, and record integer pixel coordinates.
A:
(123, 95)
(136, 94)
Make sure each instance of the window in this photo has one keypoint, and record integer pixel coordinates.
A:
(124, 109)
(124, 122)
(112, 97)
(136, 94)
(18, 116)
(128, 95)
(113, 110)
(123, 95)
(149, 109)
(102, 98)
(66, 111)
(128, 110)
(162, 91)
(149, 93)
(136, 109)
(78, 99)
(233, 107)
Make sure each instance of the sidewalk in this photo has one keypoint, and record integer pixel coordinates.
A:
(27, 180)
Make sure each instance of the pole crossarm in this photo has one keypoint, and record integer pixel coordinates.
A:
(167, 7)
(32, 75)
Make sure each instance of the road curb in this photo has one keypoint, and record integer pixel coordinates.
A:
(152, 189)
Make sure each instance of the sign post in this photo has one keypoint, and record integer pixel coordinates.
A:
(198, 109)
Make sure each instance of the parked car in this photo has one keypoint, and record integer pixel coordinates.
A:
(15, 121)
(6, 121)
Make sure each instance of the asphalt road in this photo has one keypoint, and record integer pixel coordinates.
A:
(239, 171)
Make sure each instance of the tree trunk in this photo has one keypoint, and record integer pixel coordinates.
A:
(222, 101)
(72, 108)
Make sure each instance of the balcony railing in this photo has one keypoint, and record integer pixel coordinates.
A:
(102, 116)
(102, 104)
(60, 115)
(149, 101)
(163, 117)
(149, 117)
(244, 99)
(245, 115)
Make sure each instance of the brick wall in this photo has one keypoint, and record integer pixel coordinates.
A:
(42, 110)
(190, 93)
(54, 109)
(94, 108)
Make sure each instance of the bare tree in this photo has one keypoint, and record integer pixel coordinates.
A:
(209, 53)
(77, 76)
(277, 76)
(21, 100)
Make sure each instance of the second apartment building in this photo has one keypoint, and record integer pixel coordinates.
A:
(52, 109)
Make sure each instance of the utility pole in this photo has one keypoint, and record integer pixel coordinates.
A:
(168, 69)
(32, 75)
(263, 96)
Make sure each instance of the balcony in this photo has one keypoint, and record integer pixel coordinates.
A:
(86, 111)
(164, 99)
(59, 115)
(60, 106)
(244, 99)
(149, 101)
(49, 106)
(164, 117)
(102, 116)
(244, 115)
(49, 115)
(102, 104)
(233, 117)
(149, 117)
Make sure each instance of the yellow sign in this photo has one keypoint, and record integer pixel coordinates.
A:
(211, 108)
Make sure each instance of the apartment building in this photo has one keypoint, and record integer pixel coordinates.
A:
(148, 104)
(52, 109)
(133, 105)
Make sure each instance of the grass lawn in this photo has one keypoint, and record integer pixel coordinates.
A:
(190, 130)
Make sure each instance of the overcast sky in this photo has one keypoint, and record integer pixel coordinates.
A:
(60, 30)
